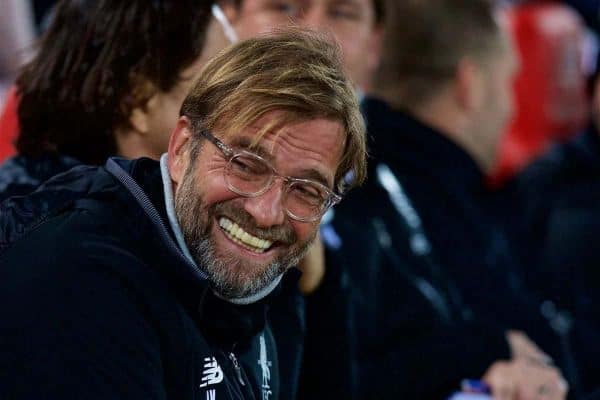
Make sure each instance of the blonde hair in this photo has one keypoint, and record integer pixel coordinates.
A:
(296, 71)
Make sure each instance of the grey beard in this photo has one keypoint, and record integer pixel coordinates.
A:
(226, 273)
(223, 270)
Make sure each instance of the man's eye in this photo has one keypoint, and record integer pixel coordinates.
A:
(248, 166)
(285, 7)
(345, 12)
(309, 193)
(240, 165)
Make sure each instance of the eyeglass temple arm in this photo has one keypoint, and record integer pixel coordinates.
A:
(220, 145)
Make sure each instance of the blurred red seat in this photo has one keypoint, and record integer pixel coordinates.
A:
(9, 125)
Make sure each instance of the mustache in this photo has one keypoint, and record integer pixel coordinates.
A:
(284, 234)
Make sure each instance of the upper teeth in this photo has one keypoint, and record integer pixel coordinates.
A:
(235, 232)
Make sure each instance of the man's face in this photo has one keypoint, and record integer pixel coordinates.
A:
(218, 224)
(162, 110)
(497, 108)
(352, 22)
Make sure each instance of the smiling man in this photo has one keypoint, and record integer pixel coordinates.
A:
(142, 279)
(253, 230)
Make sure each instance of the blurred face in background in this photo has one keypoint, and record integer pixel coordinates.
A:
(352, 22)
(154, 122)
(496, 108)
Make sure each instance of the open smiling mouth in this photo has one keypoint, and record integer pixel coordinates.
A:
(243, 238)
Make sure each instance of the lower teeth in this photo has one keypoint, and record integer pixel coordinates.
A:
(244, 245)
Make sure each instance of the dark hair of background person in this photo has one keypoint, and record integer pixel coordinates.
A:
(425, 41)
(99, 60)
(378, 5)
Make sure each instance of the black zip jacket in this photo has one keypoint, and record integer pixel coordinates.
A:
(400, 329)
(97, 301)
(458, 212)
(405, 344)
(20, 175)
(558, 233)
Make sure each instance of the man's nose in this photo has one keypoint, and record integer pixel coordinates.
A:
(315, 18)
(267, 209)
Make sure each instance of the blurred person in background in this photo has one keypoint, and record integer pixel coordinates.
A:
(355, 24)
(106, 80)
(436, 293)
(559, 202)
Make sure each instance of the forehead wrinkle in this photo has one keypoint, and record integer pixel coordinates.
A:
(247, 143)
(297, 144)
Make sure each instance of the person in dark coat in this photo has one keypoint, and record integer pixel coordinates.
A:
(558, 197)
(148, 280)
(437, 295)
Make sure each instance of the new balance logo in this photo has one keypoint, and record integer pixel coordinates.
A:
(212, 374)
(211, 395)
(265, 365)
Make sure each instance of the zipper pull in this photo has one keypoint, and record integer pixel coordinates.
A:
(237, 368)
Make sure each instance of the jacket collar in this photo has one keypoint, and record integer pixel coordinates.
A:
(401, 141)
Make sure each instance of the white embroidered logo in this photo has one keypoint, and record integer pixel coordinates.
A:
(212, 373)
(211, 394)
(265, 365)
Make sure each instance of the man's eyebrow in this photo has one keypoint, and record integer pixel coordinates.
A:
(246, 143)
(353, 3)
(315, 175)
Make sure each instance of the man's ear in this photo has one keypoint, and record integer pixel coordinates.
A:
(179, 155)
(469, 85)
(139, 120)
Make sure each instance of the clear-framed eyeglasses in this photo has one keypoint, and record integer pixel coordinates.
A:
(250, 175)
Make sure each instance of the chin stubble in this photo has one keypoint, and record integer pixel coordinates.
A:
(231, 276)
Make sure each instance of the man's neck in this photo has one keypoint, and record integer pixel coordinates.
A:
(443, 116)
(132, 145)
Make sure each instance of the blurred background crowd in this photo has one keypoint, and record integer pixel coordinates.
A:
(471, 250)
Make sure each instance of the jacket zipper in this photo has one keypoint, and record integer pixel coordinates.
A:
(236, 366)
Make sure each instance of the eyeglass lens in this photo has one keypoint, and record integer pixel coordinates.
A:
(251, 176)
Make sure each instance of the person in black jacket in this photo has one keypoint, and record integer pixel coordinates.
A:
(437, 295)
(148, 280)
(559, 202)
